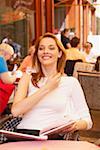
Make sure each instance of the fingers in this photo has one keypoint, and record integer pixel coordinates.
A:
(54, 78)
(53, 82)
(70, 128)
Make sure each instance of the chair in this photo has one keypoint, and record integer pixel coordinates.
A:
(69, 66)
(90, 82)
(81, 66)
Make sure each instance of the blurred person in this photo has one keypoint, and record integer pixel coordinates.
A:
(71, 35)
(6, 79)
(3, 70)
(65, 38)
(16, 47)
(57, 33)
(49, 95)
(6, 86)
(27, 62)
(97, 64)
(6, 52)
(73, 55)
(90, 56)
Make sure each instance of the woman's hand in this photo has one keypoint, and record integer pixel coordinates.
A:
(53, 82)
(78, 125)
(22, 104)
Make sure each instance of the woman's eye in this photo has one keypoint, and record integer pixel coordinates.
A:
(51, 48)
(41, 48)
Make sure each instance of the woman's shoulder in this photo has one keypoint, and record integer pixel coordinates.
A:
(66, 78)
(27, 57)
(69, 81)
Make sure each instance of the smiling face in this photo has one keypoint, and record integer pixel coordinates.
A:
(48, 52)
(49, 57)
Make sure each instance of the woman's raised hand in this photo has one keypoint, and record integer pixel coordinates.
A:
(53, 82)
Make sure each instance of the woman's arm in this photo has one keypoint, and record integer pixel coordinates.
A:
(83, 121)
(22, 104)
(79, 103)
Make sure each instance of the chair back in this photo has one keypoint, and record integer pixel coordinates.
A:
(69, 66)
(82, 66)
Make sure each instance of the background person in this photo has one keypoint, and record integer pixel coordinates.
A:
(49, 96)
(6, 52)
(90, 56)
(27, 62)
(73, 55)
(65, 38)
(97, 64)
(16, 47)
(6, 86)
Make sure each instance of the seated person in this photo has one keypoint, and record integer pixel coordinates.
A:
(50, 96)
(27, 62)
(89, 55)
(6, 89)
(6, 52)
(97, 64)
(73, 55)
(65, 38)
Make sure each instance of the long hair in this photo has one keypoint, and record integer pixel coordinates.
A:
(60, 64)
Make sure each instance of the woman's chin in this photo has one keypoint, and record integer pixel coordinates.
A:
(47, 63)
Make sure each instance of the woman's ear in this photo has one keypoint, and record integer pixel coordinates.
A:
(60, 54)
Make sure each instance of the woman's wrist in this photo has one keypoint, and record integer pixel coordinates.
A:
(81, 125)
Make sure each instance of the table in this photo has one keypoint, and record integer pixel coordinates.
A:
(49, 145)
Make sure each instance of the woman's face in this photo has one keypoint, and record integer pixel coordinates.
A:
(48, 52)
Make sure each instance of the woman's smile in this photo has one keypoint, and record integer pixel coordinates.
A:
(46, 56)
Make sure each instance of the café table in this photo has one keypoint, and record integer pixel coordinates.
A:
(49, 145)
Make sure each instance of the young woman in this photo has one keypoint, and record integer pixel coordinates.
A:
(48, 95)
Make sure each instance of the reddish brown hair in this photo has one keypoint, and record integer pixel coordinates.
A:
(60, 64)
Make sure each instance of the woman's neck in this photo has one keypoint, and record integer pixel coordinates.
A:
(48, 71)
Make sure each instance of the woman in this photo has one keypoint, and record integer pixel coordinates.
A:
(48, 95)
(6, 52)
(27, 62)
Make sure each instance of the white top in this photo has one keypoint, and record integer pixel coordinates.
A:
(66, 99)
(91, 57)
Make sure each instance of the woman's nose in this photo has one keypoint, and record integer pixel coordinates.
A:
(46, 50)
